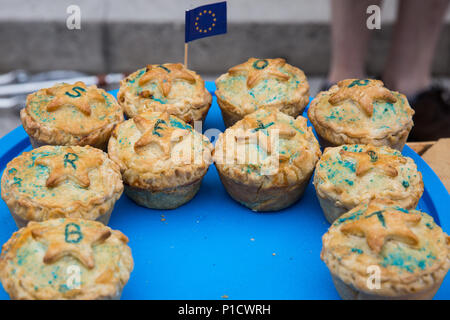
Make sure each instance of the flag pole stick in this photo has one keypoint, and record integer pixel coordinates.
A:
(186, 54)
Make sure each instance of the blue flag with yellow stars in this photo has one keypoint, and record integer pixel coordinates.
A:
(206, 21)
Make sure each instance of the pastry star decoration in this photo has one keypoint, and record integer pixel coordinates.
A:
(165, 74)
(69, 165)
(76, 95)
(378, 226)
(159, 132)
(363, 92)
(365, 161)
(74, 240)
(259, 69)
(257, 132)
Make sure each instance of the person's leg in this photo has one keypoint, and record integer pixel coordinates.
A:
(349, 38)
(416, 33)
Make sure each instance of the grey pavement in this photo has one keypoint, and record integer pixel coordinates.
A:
(118, 36)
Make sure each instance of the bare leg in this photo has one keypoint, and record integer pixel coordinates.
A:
(408, 67)
(349, 38)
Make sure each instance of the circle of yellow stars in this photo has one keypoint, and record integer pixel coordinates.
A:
(203, 13)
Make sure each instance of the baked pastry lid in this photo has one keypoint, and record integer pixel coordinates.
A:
(211, 238)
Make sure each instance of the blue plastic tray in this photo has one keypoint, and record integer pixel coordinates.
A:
(213, 247)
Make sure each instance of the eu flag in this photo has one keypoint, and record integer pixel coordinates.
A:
(206, 21)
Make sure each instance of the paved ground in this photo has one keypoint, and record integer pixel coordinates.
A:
(119, 35)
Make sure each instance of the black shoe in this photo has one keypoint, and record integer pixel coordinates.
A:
(432, 117)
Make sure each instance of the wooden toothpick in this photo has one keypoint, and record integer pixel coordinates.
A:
(186, 54)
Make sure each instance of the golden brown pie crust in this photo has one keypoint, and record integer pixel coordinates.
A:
(71, 114)
(247, 172)
(409, 249)
(261, 82)
(348, 175)
(361, 112)
(60, 181)
(170, 88)
(38, 261)
(161, 155)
